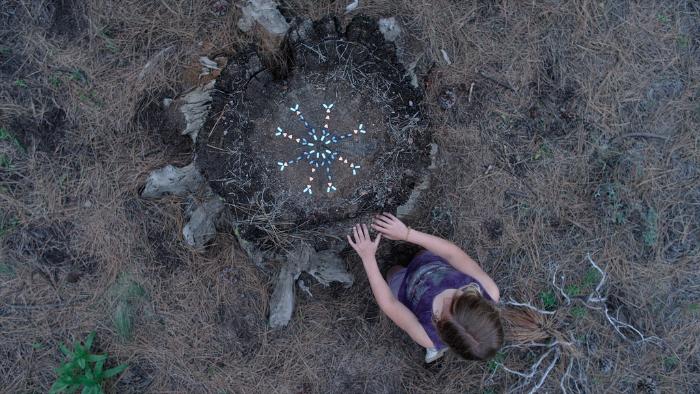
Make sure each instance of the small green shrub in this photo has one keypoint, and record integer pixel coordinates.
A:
(78, 75)
(83, 369)
(578, 312)
(548, 299)
(55, 81)
(572, 290)
(671, 362)
(493, 363)
(5, 135)
(662, 18)
(591, 279)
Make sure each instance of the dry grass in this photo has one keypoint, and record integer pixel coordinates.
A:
(577, 136)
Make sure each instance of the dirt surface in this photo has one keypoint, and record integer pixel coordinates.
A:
(339, 136)
(565, 130)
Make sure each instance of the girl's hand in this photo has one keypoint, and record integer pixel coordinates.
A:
(363, 244)
(391, 227)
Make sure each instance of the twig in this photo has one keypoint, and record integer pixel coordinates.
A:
(566, 375)
(603, 276)
(499, 83)
(533, 369)
(561, 290)
(557, 354)
(643, 135)
(528, 305)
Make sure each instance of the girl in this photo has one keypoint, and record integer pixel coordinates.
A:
(442, 298)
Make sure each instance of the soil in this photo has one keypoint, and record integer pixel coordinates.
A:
(252, 147)
(46, 135)
(165, 125)
(68, 18)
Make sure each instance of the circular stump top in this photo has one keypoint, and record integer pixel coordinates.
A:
(332, 131)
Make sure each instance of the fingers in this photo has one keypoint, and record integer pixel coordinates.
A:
(390, 216)
(360, 233)
(383, 219)
(384, 225)
(379, 238)
(381, 229)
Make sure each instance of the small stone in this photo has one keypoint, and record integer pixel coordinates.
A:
(390, 28)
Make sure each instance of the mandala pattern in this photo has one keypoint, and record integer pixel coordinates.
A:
(321, 148)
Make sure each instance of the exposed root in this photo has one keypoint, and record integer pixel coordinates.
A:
(526, 327)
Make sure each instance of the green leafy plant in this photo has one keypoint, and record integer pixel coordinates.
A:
(5, 135)
(55, 81)
(572, 290)
(21, 83)
(548, 299)
(78, 75)
(493, 363)
(106, 34)
(591, 279)
(578, 312)
(671, 362)
(83, 369)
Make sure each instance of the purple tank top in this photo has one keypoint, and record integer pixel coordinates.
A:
(427, 275)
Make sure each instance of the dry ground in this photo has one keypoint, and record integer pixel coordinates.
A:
(575, 132)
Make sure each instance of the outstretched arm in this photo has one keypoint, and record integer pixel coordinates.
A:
(392, 307)
(392, 228)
